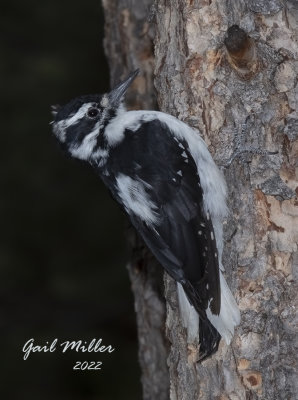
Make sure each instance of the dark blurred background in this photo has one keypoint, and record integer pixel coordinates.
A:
(62, 254)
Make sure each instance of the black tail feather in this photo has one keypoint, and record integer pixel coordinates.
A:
(209, 339)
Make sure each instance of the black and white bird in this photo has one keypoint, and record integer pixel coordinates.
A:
(161, 173)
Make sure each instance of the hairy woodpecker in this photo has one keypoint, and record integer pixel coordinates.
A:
(160, 172)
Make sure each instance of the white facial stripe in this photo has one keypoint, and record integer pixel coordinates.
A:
(60, 127)
(136, 200)
(78, 115)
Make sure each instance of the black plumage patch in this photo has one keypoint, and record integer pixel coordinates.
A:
(77, 132)
(183, 240)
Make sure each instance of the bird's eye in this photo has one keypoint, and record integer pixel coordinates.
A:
(92, 112)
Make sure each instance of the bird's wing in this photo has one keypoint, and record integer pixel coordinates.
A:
(159, 187)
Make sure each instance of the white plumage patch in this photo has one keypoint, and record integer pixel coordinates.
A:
(189, 316)
(85, 150)
(105, 101)
(136, 200)
(100, 157)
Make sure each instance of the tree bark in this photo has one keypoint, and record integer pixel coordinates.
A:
(213, 78)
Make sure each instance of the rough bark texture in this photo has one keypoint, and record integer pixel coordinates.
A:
(129, 45)
(206, 81)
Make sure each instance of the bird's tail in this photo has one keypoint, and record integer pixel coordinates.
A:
(229, 315)
(210, 329)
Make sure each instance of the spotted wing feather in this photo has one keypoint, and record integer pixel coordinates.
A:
(182, 239)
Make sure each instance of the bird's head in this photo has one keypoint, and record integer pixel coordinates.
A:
(79, 125)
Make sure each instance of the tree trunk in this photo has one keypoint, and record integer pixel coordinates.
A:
(213, 78)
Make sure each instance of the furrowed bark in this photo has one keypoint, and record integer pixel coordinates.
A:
(198, 83)
(213, 81)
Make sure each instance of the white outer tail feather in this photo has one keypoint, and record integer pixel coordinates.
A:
(188, 314)
(224, 323)
(229, 315)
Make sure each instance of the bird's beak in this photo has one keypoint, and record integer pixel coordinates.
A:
(117, 93)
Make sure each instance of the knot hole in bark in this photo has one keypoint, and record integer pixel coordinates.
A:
(241, 52)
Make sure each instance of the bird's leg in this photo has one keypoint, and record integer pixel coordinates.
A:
(241, 148)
